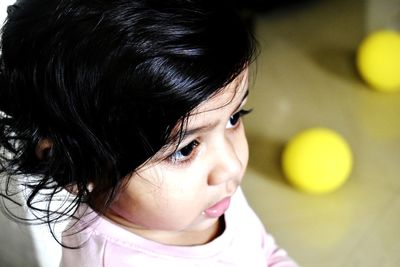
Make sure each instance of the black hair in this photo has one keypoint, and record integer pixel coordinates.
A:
(91, 89)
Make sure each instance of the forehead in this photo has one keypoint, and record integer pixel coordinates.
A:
(231, 94)
(210, 112)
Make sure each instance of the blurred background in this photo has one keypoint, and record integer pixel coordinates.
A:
(304, 77)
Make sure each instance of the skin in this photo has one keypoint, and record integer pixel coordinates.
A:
(165, 201)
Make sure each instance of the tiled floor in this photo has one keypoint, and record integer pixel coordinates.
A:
(305, 78)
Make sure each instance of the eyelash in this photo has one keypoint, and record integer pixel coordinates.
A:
(187, 151)
(237, 117)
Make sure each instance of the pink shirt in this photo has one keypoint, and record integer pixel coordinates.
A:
(243, 243)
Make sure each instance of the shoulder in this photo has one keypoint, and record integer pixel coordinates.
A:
(253, 243)
(94, 241)
(242, 213)
(247, 231)
(80, 246)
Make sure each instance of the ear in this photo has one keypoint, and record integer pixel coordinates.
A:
(43, 148)
(73, 189)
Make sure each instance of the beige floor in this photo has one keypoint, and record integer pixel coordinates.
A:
(305, 78)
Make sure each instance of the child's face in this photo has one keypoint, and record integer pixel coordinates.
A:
(178, 196)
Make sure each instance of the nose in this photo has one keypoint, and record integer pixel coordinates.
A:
(227, 165)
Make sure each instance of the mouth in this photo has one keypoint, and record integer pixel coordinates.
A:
(218, 208)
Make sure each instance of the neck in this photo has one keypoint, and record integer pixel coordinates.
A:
(175, 238)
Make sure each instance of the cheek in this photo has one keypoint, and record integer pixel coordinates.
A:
(163, 204)
(172, 214)
(242, 148)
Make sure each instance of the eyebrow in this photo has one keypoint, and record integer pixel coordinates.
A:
(202, 128)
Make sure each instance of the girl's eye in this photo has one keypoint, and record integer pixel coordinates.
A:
(234, 119)
(184, 154)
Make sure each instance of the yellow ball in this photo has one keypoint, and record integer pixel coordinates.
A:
(378, 60)
(317, 160)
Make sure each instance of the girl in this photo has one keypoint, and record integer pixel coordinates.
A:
(134, 107)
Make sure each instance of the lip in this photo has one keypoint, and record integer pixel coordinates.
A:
(218, 209)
